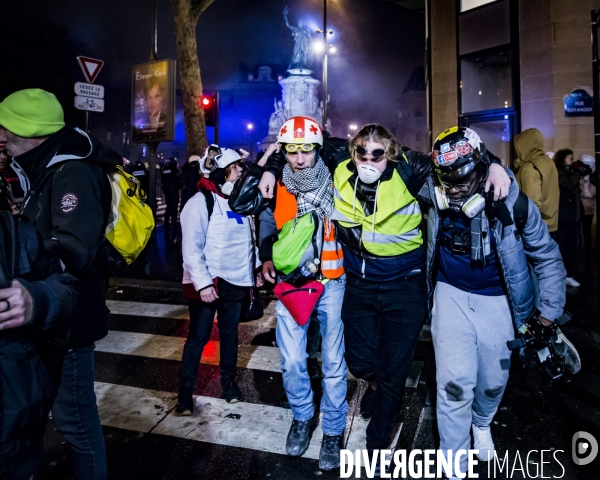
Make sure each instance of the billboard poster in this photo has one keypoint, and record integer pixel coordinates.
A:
(153, 102)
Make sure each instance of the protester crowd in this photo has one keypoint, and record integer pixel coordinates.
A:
(337, 226)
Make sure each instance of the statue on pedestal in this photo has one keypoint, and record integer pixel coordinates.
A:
(302, 38)
(278, 117)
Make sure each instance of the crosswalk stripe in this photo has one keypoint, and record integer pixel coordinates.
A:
(180, 312)
(140, 309)
(255, 357)
(246, 425)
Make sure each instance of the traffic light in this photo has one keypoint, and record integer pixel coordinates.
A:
(209, 105)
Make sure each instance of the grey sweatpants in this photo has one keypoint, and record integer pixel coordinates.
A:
(472, 361)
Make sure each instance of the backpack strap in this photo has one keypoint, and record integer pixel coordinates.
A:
(407, 176)
(521, 211)
(210, 202)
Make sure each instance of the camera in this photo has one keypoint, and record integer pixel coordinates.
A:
(461, 242)
(541, 339)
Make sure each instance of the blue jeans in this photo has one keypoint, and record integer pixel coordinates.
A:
(75, 415)
(291, 340)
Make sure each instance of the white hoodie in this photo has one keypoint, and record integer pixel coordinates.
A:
(219, 248)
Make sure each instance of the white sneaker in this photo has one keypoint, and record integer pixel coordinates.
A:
(571, 282)
(482, 441)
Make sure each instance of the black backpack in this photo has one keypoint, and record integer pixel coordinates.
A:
(210, 202)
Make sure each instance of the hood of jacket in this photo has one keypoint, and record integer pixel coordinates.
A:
(66, 144)
(529, 145)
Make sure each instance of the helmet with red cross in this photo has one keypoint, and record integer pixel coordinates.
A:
(302, 131)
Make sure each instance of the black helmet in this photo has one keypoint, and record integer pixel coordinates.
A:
(456, 151)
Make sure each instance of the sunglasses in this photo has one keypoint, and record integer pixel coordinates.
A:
(377, 153)
(294, 147)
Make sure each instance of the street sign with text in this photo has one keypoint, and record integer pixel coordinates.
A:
(89, 104)
(90, 67)
(89, 90)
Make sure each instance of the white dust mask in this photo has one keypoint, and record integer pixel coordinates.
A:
(367, 173)
(227, 188)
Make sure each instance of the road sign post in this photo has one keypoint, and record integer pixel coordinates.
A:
(89, 90)
(90, 67)
(89, 104)
(89, 96)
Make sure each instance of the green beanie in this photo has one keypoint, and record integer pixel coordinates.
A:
(31, 113)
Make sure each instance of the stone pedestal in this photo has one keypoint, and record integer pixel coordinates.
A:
(299, 97)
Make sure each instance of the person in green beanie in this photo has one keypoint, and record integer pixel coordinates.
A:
(67, 198)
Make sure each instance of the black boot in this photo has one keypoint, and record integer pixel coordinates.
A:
(329, 456)
(298, 438)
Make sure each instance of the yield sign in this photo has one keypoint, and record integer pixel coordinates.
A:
(90, 67)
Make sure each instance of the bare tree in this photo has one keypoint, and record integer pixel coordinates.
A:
(186, 14)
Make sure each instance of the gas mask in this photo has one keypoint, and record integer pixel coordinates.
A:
(470, 206)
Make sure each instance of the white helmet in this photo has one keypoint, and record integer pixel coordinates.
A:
(227, 157)
(301, 130)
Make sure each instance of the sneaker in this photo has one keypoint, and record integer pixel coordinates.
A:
(185, 403)
(482, 441)
(329, 456)
(565, 350)
(232, 393)
(366, 403)
(284, 402)
(314, 370)
(182, 410)
(571, 282)
(298, 438)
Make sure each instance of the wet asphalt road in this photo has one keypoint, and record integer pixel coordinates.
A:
(533, 415)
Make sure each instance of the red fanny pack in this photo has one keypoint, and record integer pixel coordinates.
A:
(299, 301)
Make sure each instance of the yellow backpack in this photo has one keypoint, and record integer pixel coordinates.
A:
(130, 222)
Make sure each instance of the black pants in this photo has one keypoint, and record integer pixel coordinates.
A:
(382, 322)
(567, 237)
(171, 201)
(228, 308)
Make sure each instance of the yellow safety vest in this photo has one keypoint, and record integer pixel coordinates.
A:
(394, 228)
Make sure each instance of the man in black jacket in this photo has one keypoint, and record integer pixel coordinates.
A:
(67, 197)
(170, 187)
(37, 301)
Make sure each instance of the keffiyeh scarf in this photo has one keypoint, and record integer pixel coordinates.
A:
(312, 187)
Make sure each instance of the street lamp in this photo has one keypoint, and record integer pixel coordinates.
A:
(324, 48)
(250, 128)
(352, 128)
